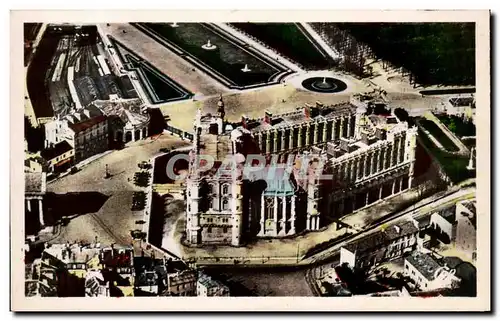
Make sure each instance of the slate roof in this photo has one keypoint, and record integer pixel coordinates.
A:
(79, 127)
(299, 116)
(34, 183)
(405, 228)
(129, 110)
(81, 115)
(424, 263)
(117, 257)
(73, 253)
(208, 282)
(58, 149)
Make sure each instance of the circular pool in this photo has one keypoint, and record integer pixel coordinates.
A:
(324, 84)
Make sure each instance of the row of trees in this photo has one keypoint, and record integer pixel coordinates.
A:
(430, 53)
(353, 52)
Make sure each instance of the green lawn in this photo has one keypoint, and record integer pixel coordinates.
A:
(455, 166)
(227, 59)
(439, 135)
(458, 126)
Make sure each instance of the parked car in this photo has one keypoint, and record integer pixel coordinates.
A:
(137, 234)
(137, 207)
(140, 222)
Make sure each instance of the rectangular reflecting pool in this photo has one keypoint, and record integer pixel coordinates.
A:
(224, 57)
(159, 87)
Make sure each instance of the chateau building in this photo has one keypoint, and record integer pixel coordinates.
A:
(367, 157)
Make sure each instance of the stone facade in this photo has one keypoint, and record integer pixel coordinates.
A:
(90, 137)
(368, 158)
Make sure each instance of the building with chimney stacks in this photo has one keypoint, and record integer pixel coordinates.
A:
(207, 286)
(87, 270)
(387, 244)
(94, 129)
(86, 131)
(368, 157)
(429, 273)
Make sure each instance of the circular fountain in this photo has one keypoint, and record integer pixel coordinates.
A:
(209, 46)
(246, 69)
(324, 84)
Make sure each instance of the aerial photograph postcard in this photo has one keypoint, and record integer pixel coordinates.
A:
(343, 156)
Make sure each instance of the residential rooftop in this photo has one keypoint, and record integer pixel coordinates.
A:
(79, 127)
(424, 263)
(301, 115)
(208, 282)
(379, 238)
(56, 151)
(72, 253)
(128, 110)
(83, 114)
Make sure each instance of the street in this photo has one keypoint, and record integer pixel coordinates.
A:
(329, 258)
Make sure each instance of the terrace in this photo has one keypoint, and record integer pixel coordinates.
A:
(226, 58)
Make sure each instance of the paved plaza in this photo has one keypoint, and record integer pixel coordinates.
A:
(114, 219)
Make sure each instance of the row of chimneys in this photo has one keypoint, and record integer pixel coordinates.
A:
(268, 116)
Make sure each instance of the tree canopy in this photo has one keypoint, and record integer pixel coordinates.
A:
(435, 53)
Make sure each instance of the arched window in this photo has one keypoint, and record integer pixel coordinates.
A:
(225, 189)
(225, 204)
(212, 188)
